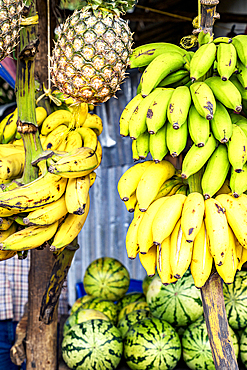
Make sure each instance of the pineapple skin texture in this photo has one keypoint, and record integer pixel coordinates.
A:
(91, 56)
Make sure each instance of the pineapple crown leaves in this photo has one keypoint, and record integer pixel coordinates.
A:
(116, 6)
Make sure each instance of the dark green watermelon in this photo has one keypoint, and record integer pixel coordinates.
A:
(109, 308)
(235, 296)
(152, 344)
(179, 304)
(92, 345)
(106, 278)
(132, 318)
(196, 346)
(129, 298)
(139, 305)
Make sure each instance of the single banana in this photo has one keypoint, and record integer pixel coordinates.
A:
(10, 128)
(226, 92)
(217, 229)
(127, 183)
(80, 113)
(135, 155)
(9, 149)
(94, 122)
(178, 107)
(216, 172)
(144, 54)
(142, 145)
(202, 60)
(131, 203)
(163, 262)
(157, 111)
(44, 190)
(242, 74)
(29, 238)
(166, 217)
(243, 257)
(180, 255)
(132, 247)
(55, 138)
(167, 187)
(5, 223)
(158, 69)
(157, 145)
(174, 77)
(4, 121)
(137, 122)
(196, 157)
(48, 214)
(198, 127)
(186, 81)
(149, 260)
(41, 115)
(203, 99)
(236, 215)
(73, 141)
(228, 270)
(77, 163)
(240, 43)
(127, 113)
(192, 216)
(239, 252)
(203, 38)
(69, 229)
(12, 166)
(238, 181)
(226, 60)
(237, 148)
(76, 194)
(234, 79)
(221, 123)
(144, 233)
(150, 182)
(89, 137)
(92, 177)
(62, 145)
(55, 119)
(176, 140)
(202, 260)
(222, 39)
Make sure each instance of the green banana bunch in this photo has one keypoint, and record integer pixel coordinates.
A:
(202, 61)
(240, 43)
(203, 99)
(203, 38)
(225, 92)
(221, 123)
(174, 77)
(176, 139)
(178, 107)
(216, 171)
(226, 60)
(196, 157)
(157, 144)
(237, 153)
(238, 181)
(198, 127)
(144, 54)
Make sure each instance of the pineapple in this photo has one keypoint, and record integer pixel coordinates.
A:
(10, 20)
(92, 52)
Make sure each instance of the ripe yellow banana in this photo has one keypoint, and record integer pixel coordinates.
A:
(131, 243)
(10, 127)
(89, 137)
(239, 251)
(73, 141)
(131, 203)
(202, 260)
(69, 229)
(150, 182)
(163, 262)
(9, 149)
(80, 112)
(135, 155)
(55, 119)
(76, 194)
(48, 214)
(55, 138)
(127, 113)
(166, 217)
(12, 166)
(243, 257)
(29, 238)
(5, 223)
(94, 122)
(149, 260)
(5, 255)
(41, 115)
(192, 216)
(217, 230)
(44, 190)
(127, 183)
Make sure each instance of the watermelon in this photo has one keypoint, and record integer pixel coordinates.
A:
(82, 315)
(146, 282)
(130, 319)
(106, 278)
(79, 302)
(243, 347)
(196, 346)
(235, 296)
(132, 307)
(129, 298)
(152, 344)
(109, 308)
(93, 344)
(179, 304)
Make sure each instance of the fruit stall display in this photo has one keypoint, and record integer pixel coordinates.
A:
(189, 224)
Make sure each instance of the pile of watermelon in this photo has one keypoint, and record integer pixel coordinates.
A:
(160, 328)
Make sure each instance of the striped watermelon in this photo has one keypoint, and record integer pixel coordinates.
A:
(92, 345)
(243, 347)
(196, 347)
(106, 278)
(109, 308)
(82, 315)
(79, 302)
(235, 296)
(129, 298)
(179, 304)
(139, 305)
(130, 319)
(152, 344)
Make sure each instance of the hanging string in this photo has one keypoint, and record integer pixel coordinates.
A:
(199, 12)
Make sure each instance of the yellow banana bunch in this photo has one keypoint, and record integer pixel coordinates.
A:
(149, 260)
(76, 194)
(12, 166)
(55, 119)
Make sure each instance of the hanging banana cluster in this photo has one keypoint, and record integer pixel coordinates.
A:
(200, 96)
(54, 207)
(172, 231)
